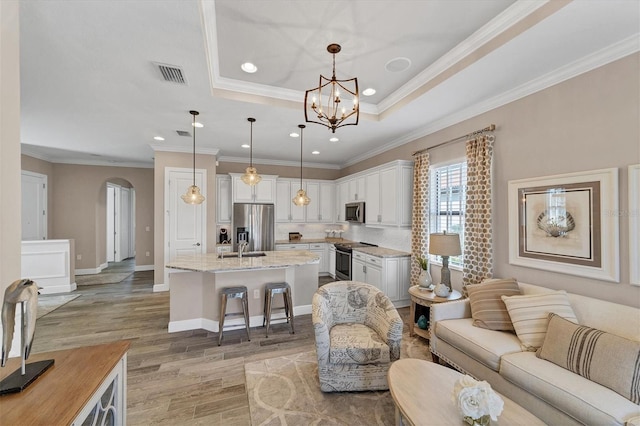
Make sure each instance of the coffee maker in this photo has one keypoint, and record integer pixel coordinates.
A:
(224, 236)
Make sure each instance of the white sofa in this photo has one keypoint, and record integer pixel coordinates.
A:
(555, 395)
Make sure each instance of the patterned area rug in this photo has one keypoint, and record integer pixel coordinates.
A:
(103, 278)
(48, 303)
(285, 391)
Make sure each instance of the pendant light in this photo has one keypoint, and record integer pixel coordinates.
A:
(193, 195)
(301, 198)
(251, 176)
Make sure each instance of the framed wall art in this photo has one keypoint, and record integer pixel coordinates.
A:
(634, 224)
(566, 223)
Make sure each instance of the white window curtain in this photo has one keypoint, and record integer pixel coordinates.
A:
(420, 214)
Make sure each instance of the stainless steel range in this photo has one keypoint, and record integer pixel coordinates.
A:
(343, 258)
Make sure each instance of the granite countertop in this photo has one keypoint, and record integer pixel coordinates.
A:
(382, 252)
(314, 240)
(209, 262)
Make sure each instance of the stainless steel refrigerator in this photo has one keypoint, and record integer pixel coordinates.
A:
(254, 223)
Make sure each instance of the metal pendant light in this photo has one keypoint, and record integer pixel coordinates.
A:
(193, 195)
(251, 176)
(301, 198)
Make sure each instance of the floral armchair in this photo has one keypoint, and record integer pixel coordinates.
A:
(358, 335)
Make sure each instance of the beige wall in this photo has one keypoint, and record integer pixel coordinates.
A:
(36, 165)
(10, 228)
(79, 210)
(586, 123)
(281, 171)
(181, 160)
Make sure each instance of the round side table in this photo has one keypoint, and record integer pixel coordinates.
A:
(424, 297)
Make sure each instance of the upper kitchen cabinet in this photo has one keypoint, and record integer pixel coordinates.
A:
(263, 192)
(321, 207)
(223, 199)
(286, 211)
(356, 189)
(389, 194)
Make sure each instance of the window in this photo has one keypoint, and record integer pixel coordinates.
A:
(446, 203)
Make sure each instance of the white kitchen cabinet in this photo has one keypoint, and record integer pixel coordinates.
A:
(321, 250)
(331, 252)
(223, 199)
(372, 195)
(342, 192)
(322, 195)
(286, 211)
(263, 192)
(280, 247)
(389, 274)
(389, 195)
(356, 189)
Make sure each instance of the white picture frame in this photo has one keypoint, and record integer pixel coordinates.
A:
(634, 224)
(566, 223)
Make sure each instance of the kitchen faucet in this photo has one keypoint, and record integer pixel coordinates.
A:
(241, 246)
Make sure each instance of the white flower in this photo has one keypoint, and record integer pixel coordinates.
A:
(476, 399)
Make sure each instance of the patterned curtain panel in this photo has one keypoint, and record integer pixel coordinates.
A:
(478, 250)
(420, 218)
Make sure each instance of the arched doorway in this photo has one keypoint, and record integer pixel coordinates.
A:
(120, 218)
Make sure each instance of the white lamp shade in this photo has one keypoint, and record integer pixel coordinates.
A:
(444, 244)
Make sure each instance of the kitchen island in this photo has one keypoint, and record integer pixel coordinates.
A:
(195, 283)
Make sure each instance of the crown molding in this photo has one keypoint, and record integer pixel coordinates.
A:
(183, 149)
(268, 162)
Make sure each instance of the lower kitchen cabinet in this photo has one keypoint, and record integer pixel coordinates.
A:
(331, 250)
(389, 274)
(317, 248)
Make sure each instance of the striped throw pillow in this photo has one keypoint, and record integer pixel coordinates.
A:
(601, 357)
(529, 314)
(487, 308)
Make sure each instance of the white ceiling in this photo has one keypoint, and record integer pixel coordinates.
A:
(91, 94)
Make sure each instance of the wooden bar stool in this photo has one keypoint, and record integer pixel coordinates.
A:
(239, 292)
(277, 288)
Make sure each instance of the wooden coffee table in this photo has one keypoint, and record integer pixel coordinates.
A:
(422, 390)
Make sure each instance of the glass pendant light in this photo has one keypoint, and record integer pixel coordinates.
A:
(193, 195)
(251, 176)
(301, 198)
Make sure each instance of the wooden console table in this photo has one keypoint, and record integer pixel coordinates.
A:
(88, 382)
(425, 297)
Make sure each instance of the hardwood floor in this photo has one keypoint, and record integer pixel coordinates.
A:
(180, 378)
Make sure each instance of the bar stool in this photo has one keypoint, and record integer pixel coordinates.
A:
(277, 288)
(239, 292)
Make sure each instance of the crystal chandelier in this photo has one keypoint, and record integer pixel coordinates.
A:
(301, 198)
(193, 195)
(337, 112)
(251, 176)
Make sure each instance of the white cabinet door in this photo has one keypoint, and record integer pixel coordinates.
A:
(389, 187)
(358, 270)
(264, 192)
(327, 198)
(313, 209)
(372, 208)
(286, 211)
(282, 247)
(374, 277)
(223, 199)
(332, 260)
(342, 195)
(321, 250)
(242, 193)
(356, 189)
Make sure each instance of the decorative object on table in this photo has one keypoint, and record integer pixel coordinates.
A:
(562, 223)
(193, 195)
(424, 279)
(444, 245)
(25, 293)
(251, 176)
(441, 290)
(295, 236)
(422, 322)
(301, 198)
(335, 114)
(477, 402)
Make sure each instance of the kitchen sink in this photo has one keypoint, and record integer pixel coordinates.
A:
(249, 254)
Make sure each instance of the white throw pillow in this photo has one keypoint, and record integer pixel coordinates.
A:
(530, 315)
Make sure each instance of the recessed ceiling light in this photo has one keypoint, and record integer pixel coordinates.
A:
(249, 67)
(369, 91)
(334, 139)
(198, 125)
(244, 145)
(294, 134)
(158, 138)
(315, 152)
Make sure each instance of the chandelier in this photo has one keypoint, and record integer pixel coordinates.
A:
(338, 109)
(301, 198)
(193, 195)
(251, 176)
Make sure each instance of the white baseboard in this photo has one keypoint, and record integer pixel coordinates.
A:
(66, 288)
(144, 268)
(90, 271)
(161, 287)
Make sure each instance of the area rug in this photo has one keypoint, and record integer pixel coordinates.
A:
(285, 391)
(48, 303)
(102, 278)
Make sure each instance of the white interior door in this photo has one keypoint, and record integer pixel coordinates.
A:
(185, 224)
(111, 222)
(34, 206)
(132, 222)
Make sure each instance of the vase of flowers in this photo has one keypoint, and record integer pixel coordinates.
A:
(477, 402)
(424, 279)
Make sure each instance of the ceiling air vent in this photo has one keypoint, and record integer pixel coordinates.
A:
(171, 73)
(183, 133)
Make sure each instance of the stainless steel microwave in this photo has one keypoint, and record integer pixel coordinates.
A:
(354, 212)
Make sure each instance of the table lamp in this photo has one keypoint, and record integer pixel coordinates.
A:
(445, 245)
